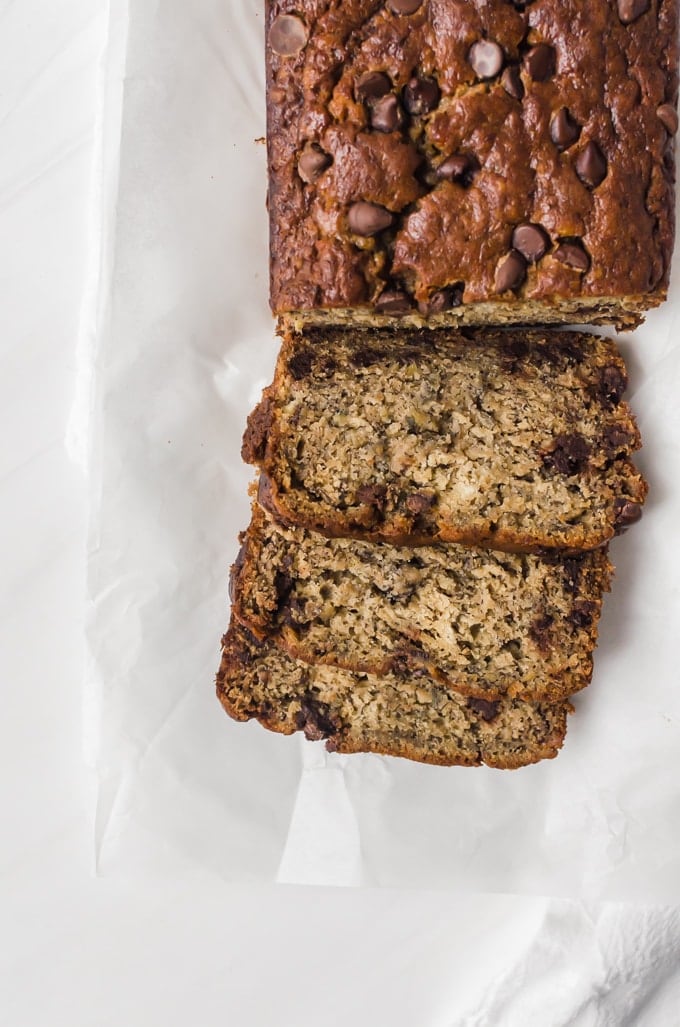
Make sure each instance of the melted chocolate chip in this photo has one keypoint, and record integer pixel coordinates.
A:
(283, 586)
(421, 95)
(368, 218)
(572, 569)
(386, 114)
(564, 129)
(630, 10)
(626, 512)
(393, 301)
(487, 710)
(373, 495)
(419, 502)
(531, 241)
(510, 272)
(591, 165)
(288, 35)
(668, 116)
(540, 62)
(486, 58)
(540, 632)
(313, 719)
(456, 168)
(300, 364)
(371, 86)
(312, 163)
(615, 441)
(573, 255)
(583, 612)
(365, 357)
(404, 6)
(568, 456)
(511, 81)
(613, 384)
(445, 299)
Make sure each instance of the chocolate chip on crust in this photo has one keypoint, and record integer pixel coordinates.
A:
(288, 35)
(631, 10)
(486, 58)
(511, 272)
(564, 129)
(531, 241)
(368, 218)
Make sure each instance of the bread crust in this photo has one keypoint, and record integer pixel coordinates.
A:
(525, 162)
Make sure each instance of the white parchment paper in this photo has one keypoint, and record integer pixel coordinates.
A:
(184, 344)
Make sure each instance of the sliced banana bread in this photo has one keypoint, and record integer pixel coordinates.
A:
(408, 715)
(486, 623)
(515, 440)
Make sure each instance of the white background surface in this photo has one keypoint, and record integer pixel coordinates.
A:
(189, 950)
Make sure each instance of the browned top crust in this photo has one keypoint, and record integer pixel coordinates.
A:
(406, 150)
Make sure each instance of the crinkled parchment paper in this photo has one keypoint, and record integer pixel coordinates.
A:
(184, 343)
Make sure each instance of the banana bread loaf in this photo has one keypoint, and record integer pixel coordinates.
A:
(487, 624)
(406, 715)
(514, 440)
(460, 161)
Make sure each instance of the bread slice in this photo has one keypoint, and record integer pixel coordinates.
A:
(486, 624)
(514, 440)
(408, 715)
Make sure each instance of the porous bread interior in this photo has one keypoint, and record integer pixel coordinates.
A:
(490, 623)
(625, 312)
(459, 422)
(412, 716)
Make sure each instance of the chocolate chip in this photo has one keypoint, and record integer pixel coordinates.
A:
(615, 441)
(421, 95)
(419, 502)
(404, 6)
(573, 255)
(365, 357)
(393, 301)
(568, 455)
(540, 631)
(510, 272)
(312, 163)
(487, 710)
(511, 81)
(668, 116)
(564, 129)
(591, 165)
(445, 299)
(386, 114)
(368, 218)
(582, 613)
(457, 168)
(626, 512)
(540, 62)
(371, 86)
(630, 10)
(373, 495)
(613, 383)
(531, 241)
(300, 364)
(313, 719)
(283, 586)
(486, 58)
(288, 35)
